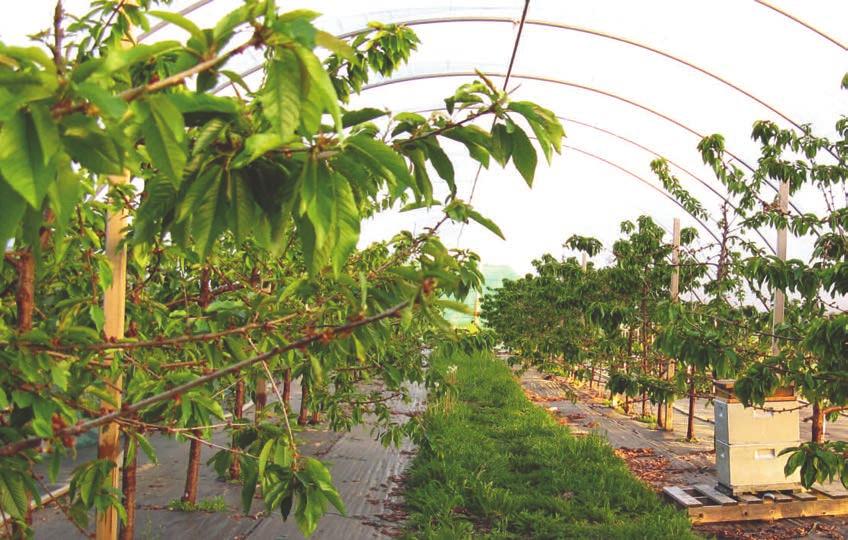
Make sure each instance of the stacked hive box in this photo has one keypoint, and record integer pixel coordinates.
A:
(748, 441)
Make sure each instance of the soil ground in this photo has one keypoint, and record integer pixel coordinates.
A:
(663, 458)
(366, 474)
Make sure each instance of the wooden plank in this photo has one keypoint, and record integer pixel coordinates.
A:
(747, 498)
(804, 496)
(719, 498)
(751, 512)
(832, 490)
(777, 496)
(681, 497)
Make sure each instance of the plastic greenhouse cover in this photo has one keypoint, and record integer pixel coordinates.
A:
(630, 80)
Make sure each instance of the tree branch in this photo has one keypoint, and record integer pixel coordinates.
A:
(128, 410)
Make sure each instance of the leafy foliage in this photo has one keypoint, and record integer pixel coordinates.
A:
(242, 232)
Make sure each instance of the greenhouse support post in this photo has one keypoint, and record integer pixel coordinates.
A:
(114, 298)
(675, 295)
(779, 295)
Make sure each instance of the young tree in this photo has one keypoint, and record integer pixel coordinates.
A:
(244, 218)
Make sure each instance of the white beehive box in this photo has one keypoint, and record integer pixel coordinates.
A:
(737, 424)
(749, 440)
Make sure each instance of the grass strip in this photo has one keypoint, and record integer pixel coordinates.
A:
(493, 465)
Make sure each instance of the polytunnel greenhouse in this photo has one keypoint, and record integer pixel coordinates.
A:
(464, 269)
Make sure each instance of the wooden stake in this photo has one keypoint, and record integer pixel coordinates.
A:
(109, 443)
(779, 295)
(675, 296)
(585, 262)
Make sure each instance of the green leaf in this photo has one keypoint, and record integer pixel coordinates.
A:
(24, 160)
(96, 314)
(90, 146)
(314, 196)
(208, 216)
(263, 456)
(501, 144)
(453, 305)
(64, 194)
(12, 207)
(224, 28)
(178, 20)
(13, 498)
(193, 102)
(250, 476)
(164, 136)
(486, 222)
(256, 146)
(120, 57)
(242, 209)
(320, 81)
(475, 139)
(352, 118)
(282, 93)
(334, 44)
(42, 423)
(441, 163)
(346, 222)
(524, 155)
(382, 160)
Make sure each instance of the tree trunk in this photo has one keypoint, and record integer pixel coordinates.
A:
(818, 423)
(661, 404)
(260, 400)
(129, 488)
(303, 417)
(238, 414)
(626, 364)
(25, 303)
(690, 419)
(287, 380)
(193, 473)
(25, 294)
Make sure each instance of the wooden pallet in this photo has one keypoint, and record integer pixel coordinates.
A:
(705, 504)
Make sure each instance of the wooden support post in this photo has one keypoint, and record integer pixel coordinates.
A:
(109, 443)
(779, 294)
(585, 262)
(675, 296)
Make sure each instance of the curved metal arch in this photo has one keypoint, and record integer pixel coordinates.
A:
(589, 31)
(647, 183)
(650, 151)
(675, 164)
(450, 74)
(806, 25)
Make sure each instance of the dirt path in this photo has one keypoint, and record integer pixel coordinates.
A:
(366, 474)
(663, 458)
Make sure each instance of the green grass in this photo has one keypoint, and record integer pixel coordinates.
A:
(213, 504)
(496, 466)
